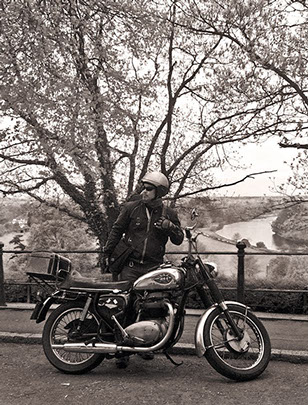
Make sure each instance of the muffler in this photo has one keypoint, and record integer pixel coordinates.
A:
(89, 348)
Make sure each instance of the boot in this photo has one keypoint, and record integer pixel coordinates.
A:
(122, 362)
(147, 355)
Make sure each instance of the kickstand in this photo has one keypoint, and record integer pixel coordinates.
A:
(92, 341)
(171, 359)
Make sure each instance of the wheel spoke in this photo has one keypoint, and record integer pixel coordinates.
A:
(60, 334)
(243, 354)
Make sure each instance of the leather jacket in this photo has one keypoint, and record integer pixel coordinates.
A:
(136, 223)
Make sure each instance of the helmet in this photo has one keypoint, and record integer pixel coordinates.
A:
(159, 180)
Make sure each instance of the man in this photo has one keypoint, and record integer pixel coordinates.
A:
(146, 225)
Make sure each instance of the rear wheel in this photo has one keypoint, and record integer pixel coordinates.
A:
(60, 328)
(243, 359)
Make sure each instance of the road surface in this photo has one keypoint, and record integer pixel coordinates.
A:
(27, 378)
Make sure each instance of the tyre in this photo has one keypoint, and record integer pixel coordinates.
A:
(240, 360)
(60, 328)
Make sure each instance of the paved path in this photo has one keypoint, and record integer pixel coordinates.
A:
(288, 333)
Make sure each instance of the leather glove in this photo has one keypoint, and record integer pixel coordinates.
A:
(164, 224)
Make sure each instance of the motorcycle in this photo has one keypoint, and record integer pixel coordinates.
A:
(97, 320)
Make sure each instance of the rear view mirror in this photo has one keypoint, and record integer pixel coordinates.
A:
(194, 214)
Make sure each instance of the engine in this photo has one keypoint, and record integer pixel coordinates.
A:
(142, 322)
(147, 333)
(152, 320)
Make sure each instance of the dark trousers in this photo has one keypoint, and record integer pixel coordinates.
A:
(133, 270)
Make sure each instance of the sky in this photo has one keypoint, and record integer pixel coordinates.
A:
(267, 156)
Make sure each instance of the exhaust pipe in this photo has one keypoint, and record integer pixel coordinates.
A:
(114, 348)
(89, 348)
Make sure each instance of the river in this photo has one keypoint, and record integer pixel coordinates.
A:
(256, 230)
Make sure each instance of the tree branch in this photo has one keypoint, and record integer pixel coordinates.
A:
(249, 176)
(293, 145)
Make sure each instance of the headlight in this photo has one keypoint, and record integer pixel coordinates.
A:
(212, 268)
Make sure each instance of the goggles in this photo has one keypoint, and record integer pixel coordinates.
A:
(148, 187)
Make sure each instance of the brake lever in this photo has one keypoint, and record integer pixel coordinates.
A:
(190, 228)
(198, 234)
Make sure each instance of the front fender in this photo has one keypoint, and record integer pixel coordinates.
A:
(199, 339)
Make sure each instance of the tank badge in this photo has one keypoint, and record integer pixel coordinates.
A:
(164, 278)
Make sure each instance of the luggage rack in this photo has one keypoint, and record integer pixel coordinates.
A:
(57, 268)
(45, 281)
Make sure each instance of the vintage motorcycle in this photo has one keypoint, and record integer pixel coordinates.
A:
(96, 320)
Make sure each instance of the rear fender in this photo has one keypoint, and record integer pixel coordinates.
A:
(41, 310)
(199, 339)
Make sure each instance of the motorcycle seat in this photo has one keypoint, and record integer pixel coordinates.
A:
(93, 284)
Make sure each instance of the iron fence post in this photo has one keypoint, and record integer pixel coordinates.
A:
(2, 293)
(28, 293)
(241, 271)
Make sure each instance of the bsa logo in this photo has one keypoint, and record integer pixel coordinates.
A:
(164, 278)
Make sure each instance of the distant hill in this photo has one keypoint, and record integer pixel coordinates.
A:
(219, 211)
(292, 223)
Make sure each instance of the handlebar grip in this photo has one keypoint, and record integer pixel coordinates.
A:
(188, 233)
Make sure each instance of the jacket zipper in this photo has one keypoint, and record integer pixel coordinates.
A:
(149, 217)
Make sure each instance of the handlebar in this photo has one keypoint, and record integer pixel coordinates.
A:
(188, 230)
(191, 240)
(188, 233)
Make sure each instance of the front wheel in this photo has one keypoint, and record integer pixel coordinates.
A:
(63, 326)
(243, 359)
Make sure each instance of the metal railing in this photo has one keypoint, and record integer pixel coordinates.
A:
(240, 253)
(2, 295)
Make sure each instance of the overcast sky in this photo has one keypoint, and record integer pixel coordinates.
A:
(258, 158)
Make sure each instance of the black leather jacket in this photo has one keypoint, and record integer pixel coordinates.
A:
(136, 222)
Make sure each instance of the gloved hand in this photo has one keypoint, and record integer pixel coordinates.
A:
(164, 224)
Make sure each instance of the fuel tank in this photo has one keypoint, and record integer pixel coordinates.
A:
(166, 277)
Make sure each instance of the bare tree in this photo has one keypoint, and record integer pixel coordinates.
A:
(98, 93)
(268, 40)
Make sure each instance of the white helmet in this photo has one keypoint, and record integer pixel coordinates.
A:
(159, 180)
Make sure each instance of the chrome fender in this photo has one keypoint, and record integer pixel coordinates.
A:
(199, 340)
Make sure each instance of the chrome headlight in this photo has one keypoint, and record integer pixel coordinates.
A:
(212, 268)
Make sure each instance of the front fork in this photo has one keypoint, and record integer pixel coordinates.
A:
(218, 298)
(237, 332)
(199, 333)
